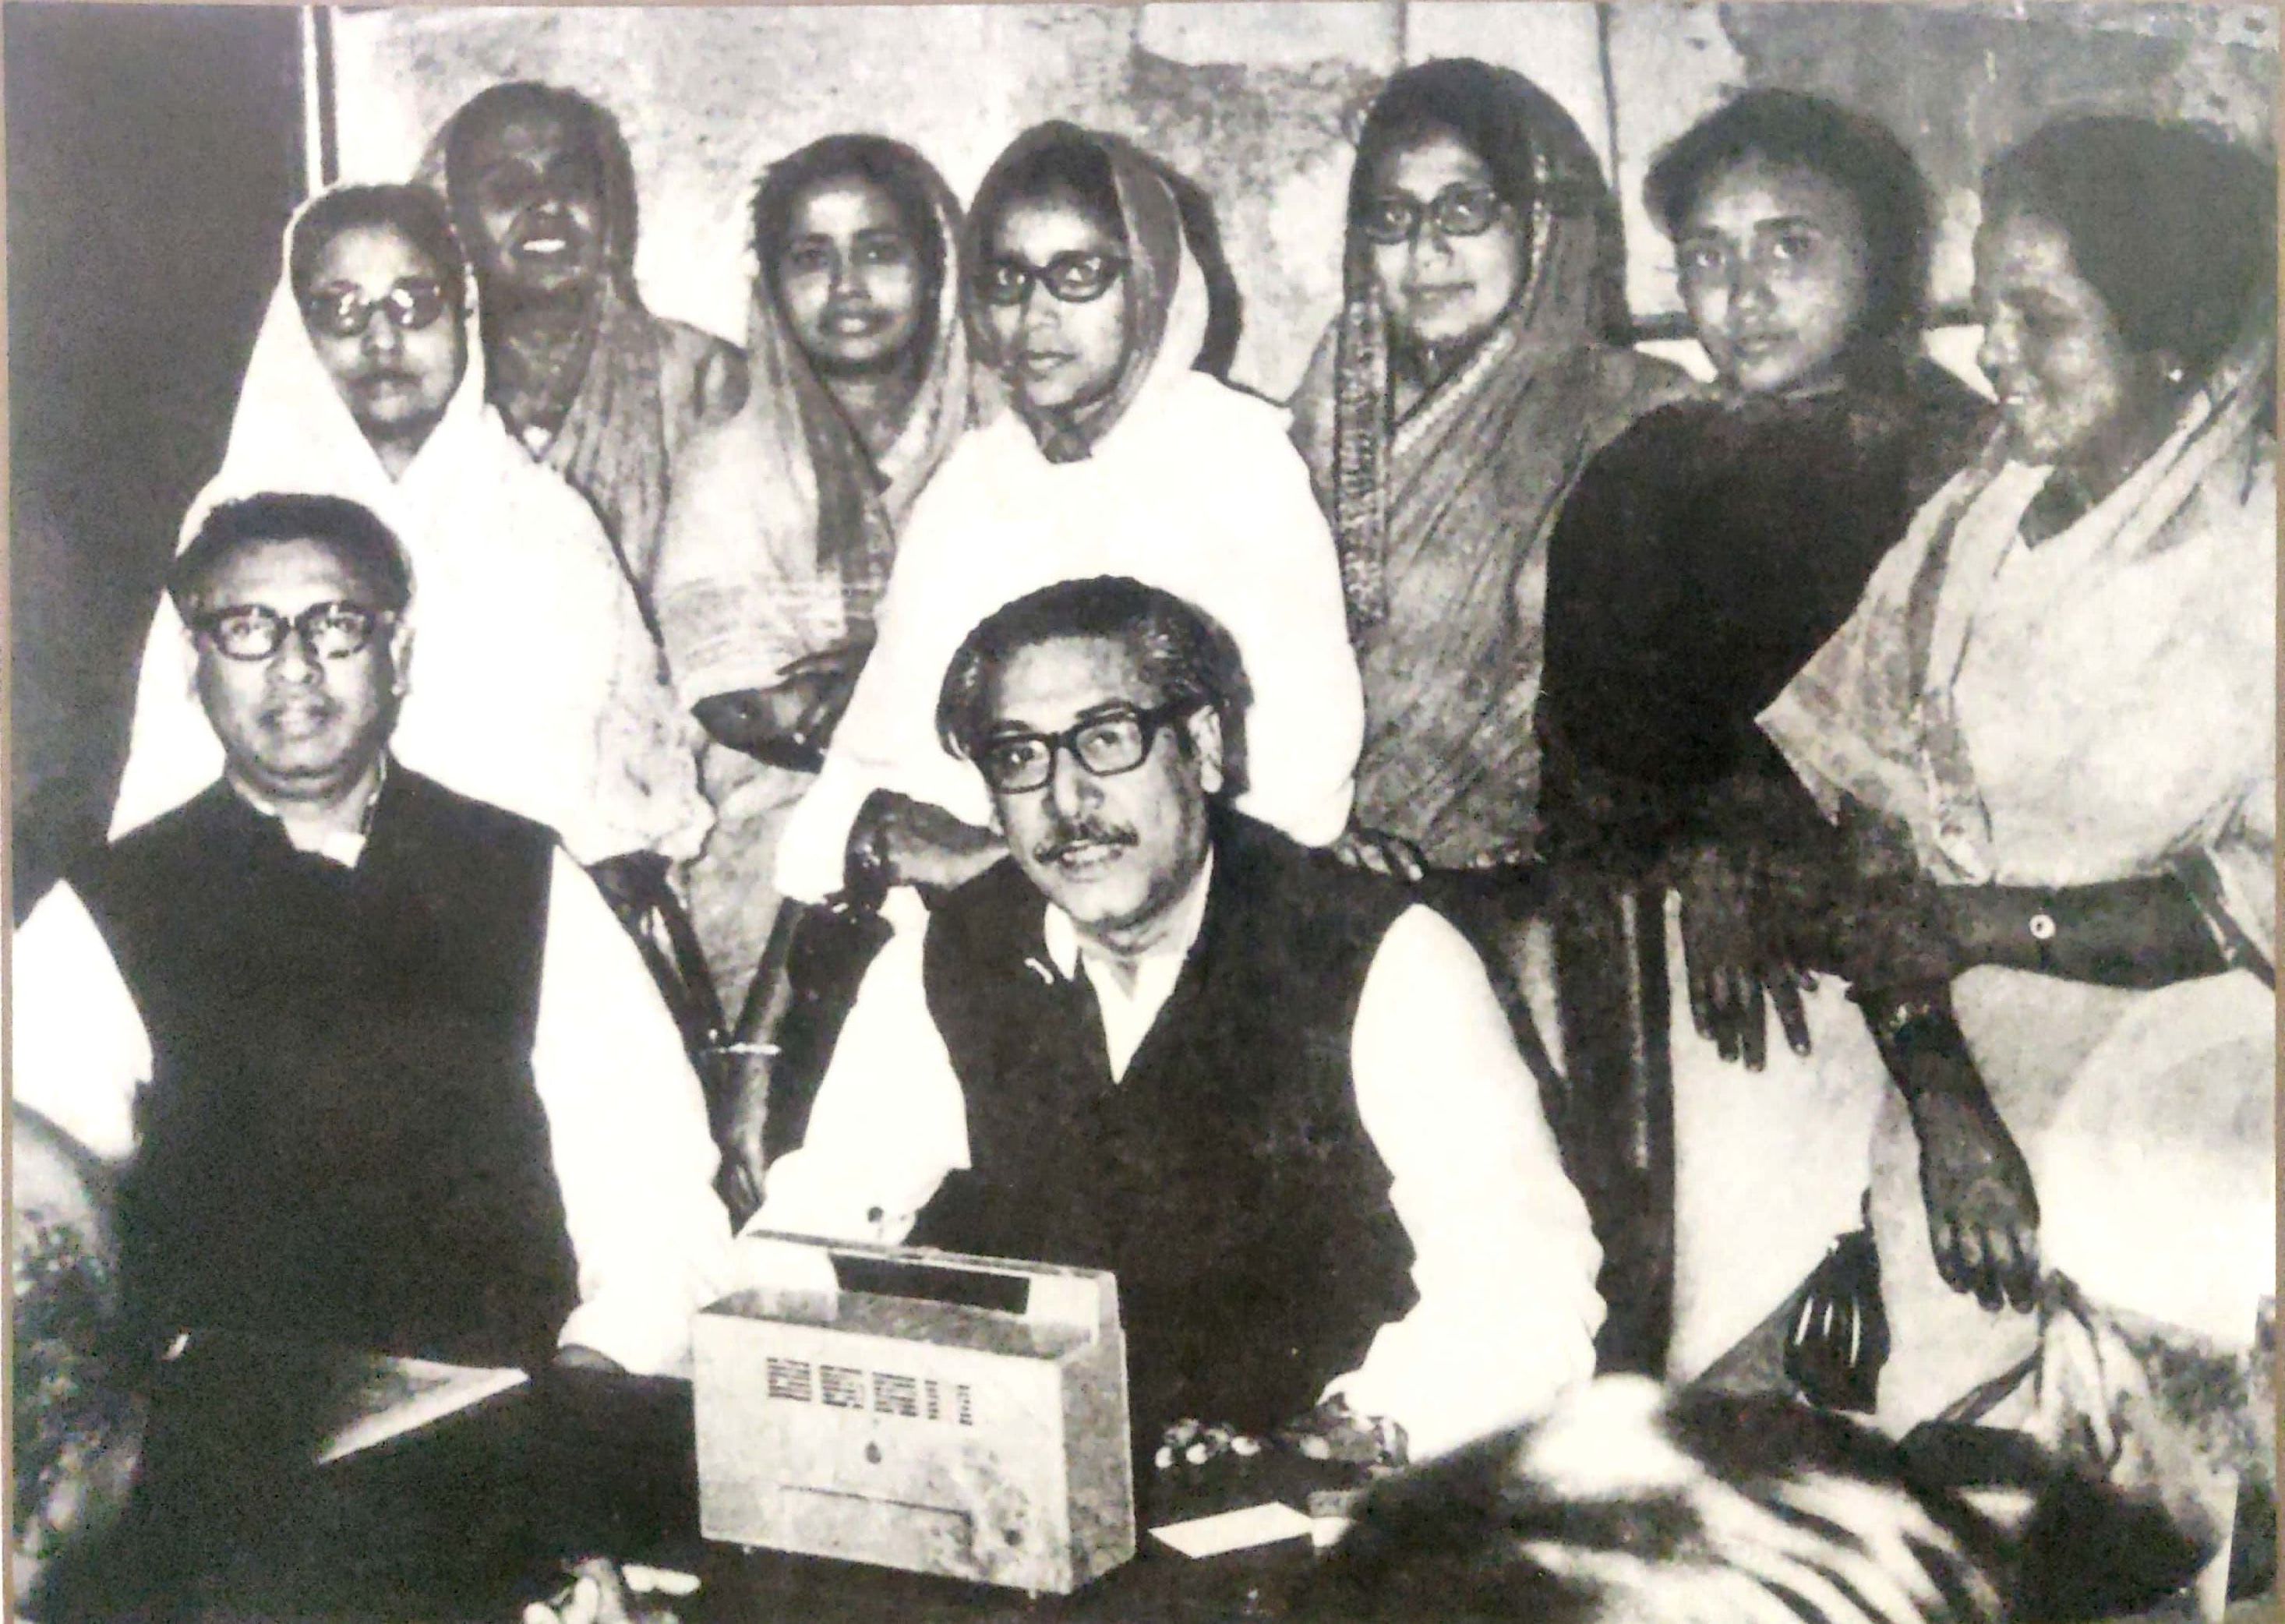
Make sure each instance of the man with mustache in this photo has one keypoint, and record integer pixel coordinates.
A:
(1273, 1094)
(375, 1064)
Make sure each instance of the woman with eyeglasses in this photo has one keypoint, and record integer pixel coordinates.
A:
(537, 687)
(1091, 292)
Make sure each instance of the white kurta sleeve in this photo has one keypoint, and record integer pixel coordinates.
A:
(78, 1051)
(889, 1121)
(627, 1130)
(1504, 1258)
(1276, 589)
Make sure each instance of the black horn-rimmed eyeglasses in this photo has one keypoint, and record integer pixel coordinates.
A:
(256, 632)
(1106, 744)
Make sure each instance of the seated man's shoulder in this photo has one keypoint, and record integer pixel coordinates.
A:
(464, 817)
(1313, 893)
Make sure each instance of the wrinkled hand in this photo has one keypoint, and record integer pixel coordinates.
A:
(1984, 1215)
(1381, 854)
(927, 847)
(1729, 963)
(600, 1592)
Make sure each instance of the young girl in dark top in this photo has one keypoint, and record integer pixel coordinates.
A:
(1702, 558)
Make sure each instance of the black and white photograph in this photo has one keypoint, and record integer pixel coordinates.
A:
(1319, 812)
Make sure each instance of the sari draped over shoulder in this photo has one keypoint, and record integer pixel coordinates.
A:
(534, 683)
(781, 528)
(1174, 479)
(779, 539)
(649, 383)
(2100, 705)
(1443, 517)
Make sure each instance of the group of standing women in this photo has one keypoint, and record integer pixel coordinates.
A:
(1822, 721)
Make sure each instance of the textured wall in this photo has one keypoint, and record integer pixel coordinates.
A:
(1258, 103)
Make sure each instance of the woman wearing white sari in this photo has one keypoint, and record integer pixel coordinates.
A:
(2055, 711)
(535, 686)
(1119, 457)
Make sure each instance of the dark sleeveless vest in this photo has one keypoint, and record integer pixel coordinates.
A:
(341, 1142)
(1226, 1179)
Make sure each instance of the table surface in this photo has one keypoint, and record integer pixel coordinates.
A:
(457, 1521)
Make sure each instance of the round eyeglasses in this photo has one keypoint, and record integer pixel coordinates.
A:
(339, 311)
(256, 632)
(1460, 210)
(1073, 278)
(1108, 743)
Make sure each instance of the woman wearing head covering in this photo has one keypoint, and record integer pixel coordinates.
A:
(784, 518)
(534, 685)
(1705, 555)
(1469, 375)
(2052, 724)
(1086, 296)
(592, 384)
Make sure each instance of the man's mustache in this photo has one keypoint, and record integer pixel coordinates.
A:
(1066, 838)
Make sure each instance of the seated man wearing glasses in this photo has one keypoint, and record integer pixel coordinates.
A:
(378, 1066)
(1275, 1096)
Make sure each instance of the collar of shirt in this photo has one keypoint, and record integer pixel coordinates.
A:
(342, 846)
(1127, 1015)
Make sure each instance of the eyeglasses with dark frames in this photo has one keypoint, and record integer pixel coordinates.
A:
(1073, 278)
(1458, 211)
(256, 632)
(1107, 744)
(341, 311)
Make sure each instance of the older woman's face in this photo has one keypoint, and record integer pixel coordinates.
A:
(1058, 350)
(1774, 269)
(2069, 382)
(397, 367)
(1442, 282)
(849, 277)
(534, 206)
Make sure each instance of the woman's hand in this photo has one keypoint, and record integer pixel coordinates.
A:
(788, 725)
(1984, 1215)
(1381, 854)
(1728, 960)
(914, 843)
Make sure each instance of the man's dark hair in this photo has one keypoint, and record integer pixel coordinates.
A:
(418, 213)
(894, 168)
(1858, 154)
(2175, 227)
(1183, 653)
(348, 529)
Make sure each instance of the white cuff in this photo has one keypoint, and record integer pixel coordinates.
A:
(813, 847)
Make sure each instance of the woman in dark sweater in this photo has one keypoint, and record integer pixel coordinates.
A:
(1703, 557)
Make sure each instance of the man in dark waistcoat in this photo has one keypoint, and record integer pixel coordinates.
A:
(376, 1064)
(1277, 1097)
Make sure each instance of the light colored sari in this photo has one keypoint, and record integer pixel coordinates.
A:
(778, 545)
(1174, 479)
(534, 683)
(2099, 706)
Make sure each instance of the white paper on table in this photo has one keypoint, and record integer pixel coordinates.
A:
(1254, 1525)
